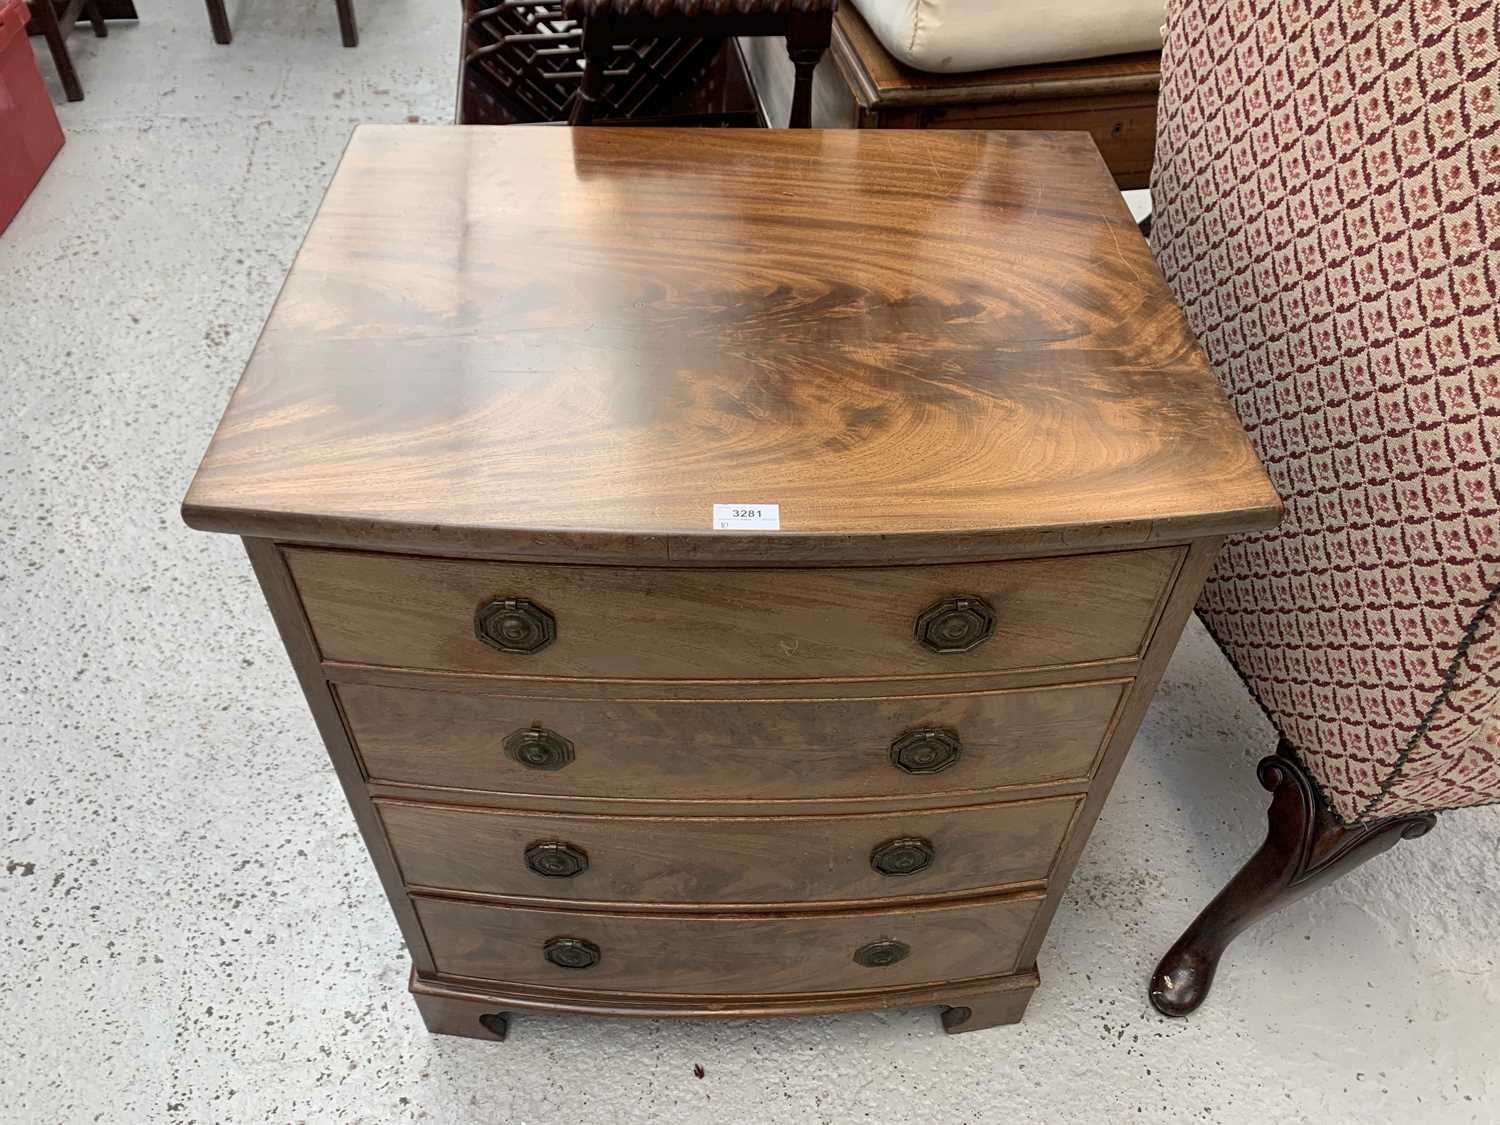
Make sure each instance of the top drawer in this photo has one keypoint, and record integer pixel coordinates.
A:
(722, 623)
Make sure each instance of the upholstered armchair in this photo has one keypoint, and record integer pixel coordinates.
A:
(1327, 210)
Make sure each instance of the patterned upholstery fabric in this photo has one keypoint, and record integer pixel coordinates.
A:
(1327, 195)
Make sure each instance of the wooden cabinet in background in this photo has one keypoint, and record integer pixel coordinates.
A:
(858, 85)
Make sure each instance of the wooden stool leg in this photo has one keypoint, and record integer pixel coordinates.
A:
(596, 43)
(347, 27)
(807, 37)
(46, 15)
(96, 19)
(218, 19)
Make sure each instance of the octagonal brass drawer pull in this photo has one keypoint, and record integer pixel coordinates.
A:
(905, 855)
(571, 953)
(556, 859)
(878, 954)
(538, 748)
(930, 750)
(515, 625)
(956, 624)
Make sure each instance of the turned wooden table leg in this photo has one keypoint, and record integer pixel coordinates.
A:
(807, 38)
(218, 19)
(1305, 848)
(596, 44)
(348, 29)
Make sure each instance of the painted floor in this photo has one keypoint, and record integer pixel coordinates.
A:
(189, 928)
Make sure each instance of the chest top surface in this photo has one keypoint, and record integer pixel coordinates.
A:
(573, 343)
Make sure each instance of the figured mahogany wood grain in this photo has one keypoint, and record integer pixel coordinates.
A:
(571, 343)
(728, 861)
(669, 623)
(709, 955)
(768, 749)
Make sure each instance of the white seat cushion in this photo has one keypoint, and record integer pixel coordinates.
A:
(952, 36)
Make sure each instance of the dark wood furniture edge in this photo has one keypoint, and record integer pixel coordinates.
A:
(291, 622)
(853, 41)
(685, 806)
(845, 687)
(1169, 625)
(1021, 891)
(450, 1007)
(1305, 848)
(718, 548)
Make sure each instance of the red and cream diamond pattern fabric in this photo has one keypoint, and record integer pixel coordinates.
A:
(1327, 210)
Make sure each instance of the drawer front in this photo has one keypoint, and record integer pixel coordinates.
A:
(725, 749)
(726, 860)
(713, 623)
(718, 955)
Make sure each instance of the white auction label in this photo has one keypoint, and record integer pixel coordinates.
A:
(747, 517)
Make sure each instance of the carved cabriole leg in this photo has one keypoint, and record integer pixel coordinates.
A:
(1305, 848)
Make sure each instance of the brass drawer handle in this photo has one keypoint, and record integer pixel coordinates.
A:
(956, 624)
(905, 855)
(515, 625)
(571, 953)
(538, 748)
(931, 750)
(879, 954)
(556, 859)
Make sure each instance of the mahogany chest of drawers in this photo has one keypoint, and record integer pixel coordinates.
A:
(727, 568)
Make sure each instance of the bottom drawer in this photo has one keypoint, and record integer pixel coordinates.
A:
(726, 955)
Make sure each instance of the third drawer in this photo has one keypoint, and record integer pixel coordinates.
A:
(727, 861)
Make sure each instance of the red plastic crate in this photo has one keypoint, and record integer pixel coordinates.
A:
(29, 133)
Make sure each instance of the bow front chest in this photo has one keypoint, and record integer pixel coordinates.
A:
(727, 568)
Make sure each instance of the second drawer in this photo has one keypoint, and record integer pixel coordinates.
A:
(726, 861)
(731, 749)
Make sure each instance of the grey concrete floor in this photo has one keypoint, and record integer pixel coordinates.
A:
(189, 928)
